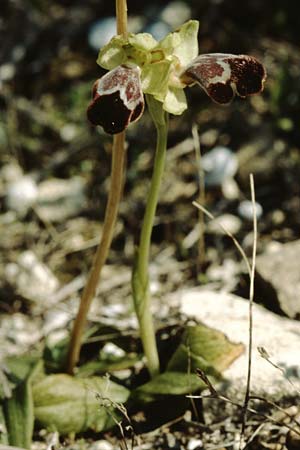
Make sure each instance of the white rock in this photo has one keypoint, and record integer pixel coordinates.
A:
(227, 274)
(219, 164)
(278, 335)
(21, 195)
(101, 445)
(245, 210)
(59, 199)
(55, 319)
(7, 71)
(31, 278)
(279, 276)
(194, 444)
(11, 172)
(230, 189)
(228, 222)
(68, 132)
(18, 332)
(111, 349)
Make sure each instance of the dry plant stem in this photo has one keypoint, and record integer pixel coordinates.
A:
(121, 15)
(116, 187)
(251, 297)
(115, 192)
(235, 241)
(201, 198)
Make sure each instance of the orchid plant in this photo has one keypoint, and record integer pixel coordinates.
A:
(139, 65)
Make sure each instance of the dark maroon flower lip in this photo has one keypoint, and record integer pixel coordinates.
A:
(223, 75)
(117, 99)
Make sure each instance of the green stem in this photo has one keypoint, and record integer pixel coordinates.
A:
(140, 281)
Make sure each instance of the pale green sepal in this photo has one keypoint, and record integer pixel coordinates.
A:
(142, 41)
(135, 48)
(171, 41)
(183, 43)
(175, 101)
(112, 54)
(155, 78)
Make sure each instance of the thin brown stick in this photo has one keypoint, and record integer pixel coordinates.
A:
(114, 197)
(232, 237)
(251, 298)
(115, 192)
(121, 15)
(201, 199)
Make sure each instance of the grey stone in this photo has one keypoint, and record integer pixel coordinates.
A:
(21, 195)
(59, 199)
(219, 164)
(278, 280)
(279, 336)
(31, 278)
(245, 210)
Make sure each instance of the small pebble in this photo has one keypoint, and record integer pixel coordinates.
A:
(68, 132)
(31, 277)
(101, 445)
(21, 195)
(245, 210)
(7, 71)
(58, 199)
(219, 164)
(228, 222)
(110, 349)
(195, 444)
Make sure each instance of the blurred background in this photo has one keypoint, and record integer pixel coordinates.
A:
(54, 168)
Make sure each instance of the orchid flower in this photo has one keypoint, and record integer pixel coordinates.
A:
(138, 64)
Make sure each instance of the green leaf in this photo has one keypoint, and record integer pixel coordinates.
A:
(171, 383)
(19, 368)
(19, 408)
(205, 348)
(69, 404)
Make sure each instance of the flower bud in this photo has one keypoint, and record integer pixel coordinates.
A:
(223, 75)
(117, 99)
